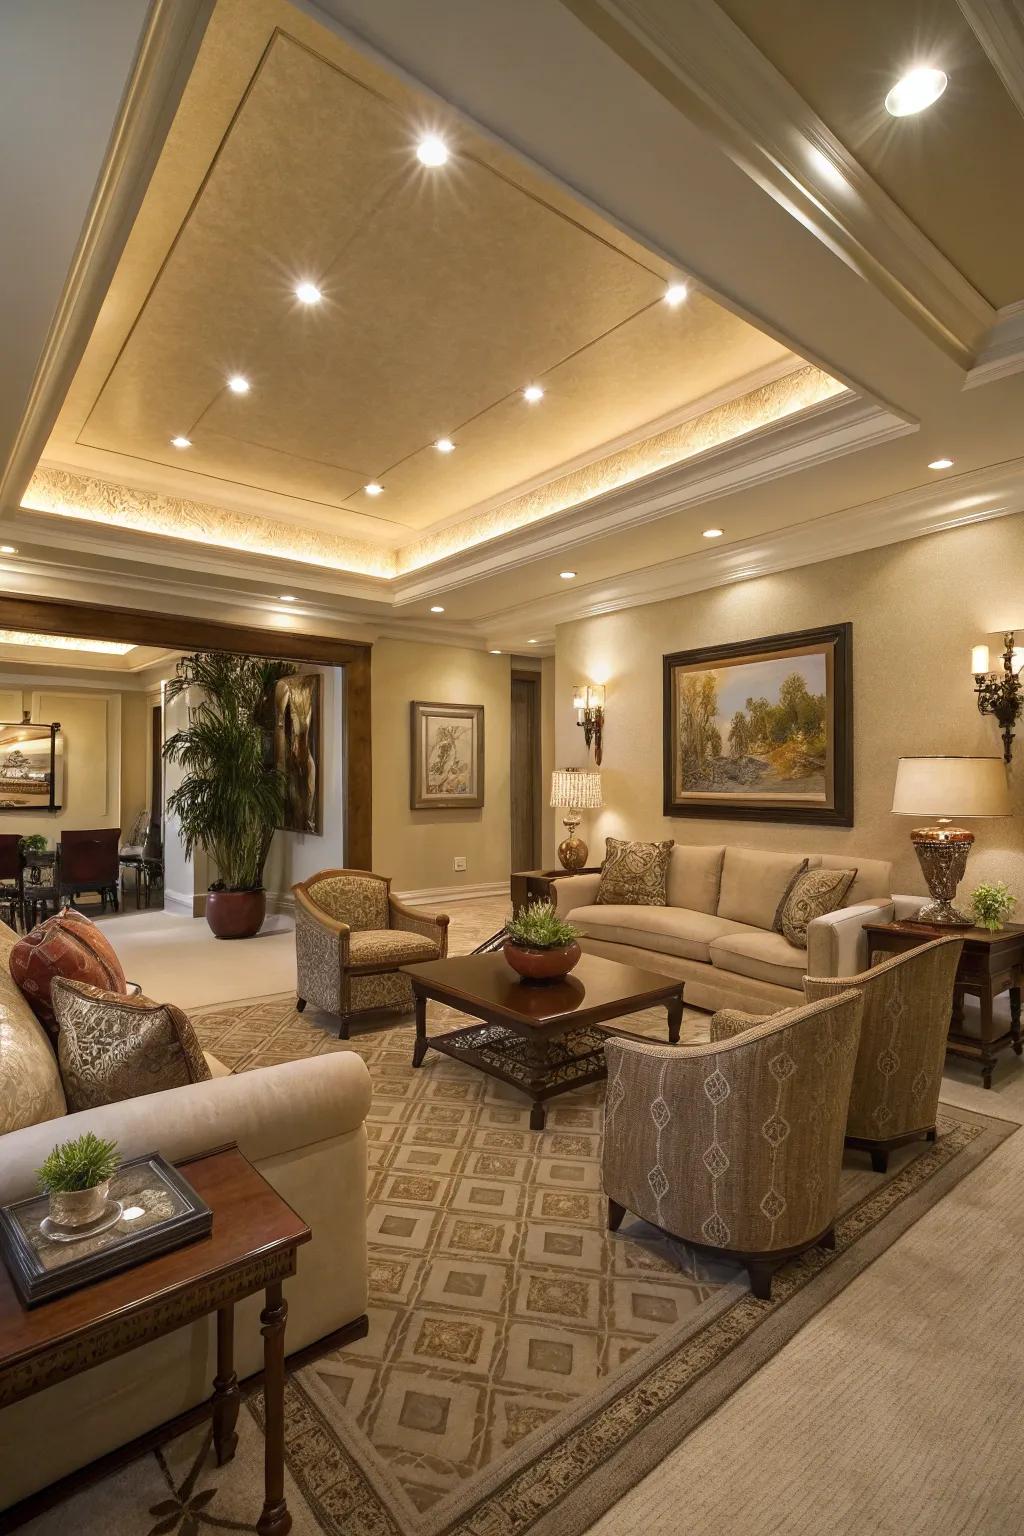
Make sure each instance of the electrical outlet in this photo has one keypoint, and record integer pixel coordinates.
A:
(459, 863)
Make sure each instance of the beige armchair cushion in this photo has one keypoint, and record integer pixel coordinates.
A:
(694, 877)
(664, 930)
(764, 956)
(754, 884)
(390, 946)
(361, 901)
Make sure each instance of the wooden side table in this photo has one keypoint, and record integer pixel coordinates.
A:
(252, 1247)
(991, 963)
(535, 884)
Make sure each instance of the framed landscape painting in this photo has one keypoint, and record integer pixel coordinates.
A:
(762, 730)
(447, 750)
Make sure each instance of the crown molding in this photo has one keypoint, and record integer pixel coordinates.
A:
(701, 62)
(999, 27)
(1003, 351)
(996, 491)
(824, 431)
(167, 50)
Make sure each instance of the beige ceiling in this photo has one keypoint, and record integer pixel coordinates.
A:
(446, 291)
(956, 168)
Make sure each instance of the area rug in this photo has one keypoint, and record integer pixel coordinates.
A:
(524, 1368)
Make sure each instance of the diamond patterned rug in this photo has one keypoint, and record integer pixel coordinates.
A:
(524, 1367)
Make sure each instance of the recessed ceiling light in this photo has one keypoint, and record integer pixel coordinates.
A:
(8, 549)
(495, 653)
(916, 91)
(531, 642)
(445, 445)
(373, 489)
(675, 293)
(941, 464)
(567, 575)
(713, 533)
(533, 393)
(238, 385)
(308, 293)
(432, 150)
(181, 442)
(286, 597)
(437, 608)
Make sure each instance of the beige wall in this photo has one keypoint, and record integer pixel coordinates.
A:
(91, 726)
(417, 847)
(916, 608)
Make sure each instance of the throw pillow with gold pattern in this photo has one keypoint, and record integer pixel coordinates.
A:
(112, 1047)
(634, 874)
(811, 895)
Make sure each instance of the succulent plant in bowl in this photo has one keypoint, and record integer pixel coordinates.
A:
(541, 946)
(76, 1175)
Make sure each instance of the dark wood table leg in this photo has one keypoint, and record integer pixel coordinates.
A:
(419, 1050)
(987, 1035)
(225, 1388)
(537, 1069)
(1018, 1044)
(275, 1519)
(675, 1019)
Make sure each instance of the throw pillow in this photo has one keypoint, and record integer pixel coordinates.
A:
(68, 945)
(634, 874)
(811, 895)
(113, 1047)
(777, 919)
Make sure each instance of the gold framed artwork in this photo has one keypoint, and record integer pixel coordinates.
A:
(447, 756)
(762, 730)
(297, 751)
(31, 767)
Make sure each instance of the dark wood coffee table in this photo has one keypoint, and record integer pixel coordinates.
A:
(543, 1040)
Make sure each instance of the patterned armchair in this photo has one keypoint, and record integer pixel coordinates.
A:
(907, 1005)
(351, 935)
(735, 1146)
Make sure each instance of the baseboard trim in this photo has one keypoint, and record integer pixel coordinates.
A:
(453, 893)
(184, 903)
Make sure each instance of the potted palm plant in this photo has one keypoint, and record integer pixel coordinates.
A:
(231, 797)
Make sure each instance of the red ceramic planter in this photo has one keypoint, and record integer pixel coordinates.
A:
(539, 966)
(236, 914)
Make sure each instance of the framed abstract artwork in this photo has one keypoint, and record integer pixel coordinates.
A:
(447, 752)
(297, 750)
(762, 730)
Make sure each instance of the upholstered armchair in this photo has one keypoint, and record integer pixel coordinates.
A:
(735, 1146)
(907, 1005)
(351, 936)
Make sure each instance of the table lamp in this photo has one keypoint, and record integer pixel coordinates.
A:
(574, 790)
(945, 787)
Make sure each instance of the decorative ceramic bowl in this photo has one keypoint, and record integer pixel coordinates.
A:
(79, 1207)
(539, 966)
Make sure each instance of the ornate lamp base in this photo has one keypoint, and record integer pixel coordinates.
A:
(573, 851)
(942, 853)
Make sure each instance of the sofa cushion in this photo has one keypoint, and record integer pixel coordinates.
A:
(30, 1087)
(811, 895)
(67, 945)
(694, 875)
(874, 876)
(113, 1047)
(361, 901)
(764, 956)
(754, 883)
(390, 946)
(668, 930)
(634, 874)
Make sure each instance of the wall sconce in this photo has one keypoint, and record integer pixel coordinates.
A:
(588, 702)
(1000, 693)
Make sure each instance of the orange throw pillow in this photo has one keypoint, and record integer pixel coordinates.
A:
(67, 945)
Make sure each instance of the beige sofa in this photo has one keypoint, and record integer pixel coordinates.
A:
(717, 933)
(301, 1124)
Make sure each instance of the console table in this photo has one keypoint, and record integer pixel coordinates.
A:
(991, 963)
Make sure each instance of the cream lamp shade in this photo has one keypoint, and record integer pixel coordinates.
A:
(951, 786)
(576, 789)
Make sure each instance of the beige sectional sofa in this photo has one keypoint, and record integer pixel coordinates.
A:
(301, 1124)
(717, 931)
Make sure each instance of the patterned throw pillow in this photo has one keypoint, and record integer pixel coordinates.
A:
(113, 1047)
(811, 895)
(66, 945)
(634, 874)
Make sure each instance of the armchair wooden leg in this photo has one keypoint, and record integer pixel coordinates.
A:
(615, 1214)
(880, 1159)
(300, 1004)
(343, 1024)
(932, 1135)
(761, 1272)
(828, 1239)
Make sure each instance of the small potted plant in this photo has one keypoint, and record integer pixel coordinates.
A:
(992, 904)
(33, 845)
(540, 946)
(77, 1176)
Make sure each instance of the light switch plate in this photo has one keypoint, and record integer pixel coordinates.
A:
(459, 863)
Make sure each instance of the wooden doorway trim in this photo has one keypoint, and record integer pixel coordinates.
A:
(88, 621)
